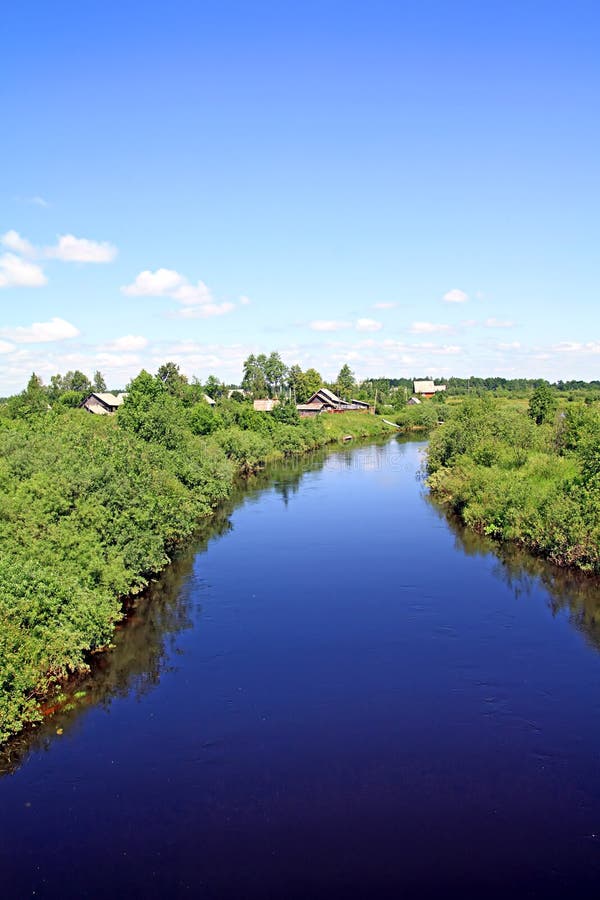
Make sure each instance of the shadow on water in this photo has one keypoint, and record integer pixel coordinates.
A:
(145, 641)
(569, 591)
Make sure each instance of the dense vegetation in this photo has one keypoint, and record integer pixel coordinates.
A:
(530, 475)
(93, 507)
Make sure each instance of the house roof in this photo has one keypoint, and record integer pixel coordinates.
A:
(427, 387)
(359, 403)
(209, 400)
(424, 387)
(108, 399)
(265, 405)
(309, 407)
(330, 395)
(326, 396)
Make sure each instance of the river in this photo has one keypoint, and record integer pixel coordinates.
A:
(337, 693)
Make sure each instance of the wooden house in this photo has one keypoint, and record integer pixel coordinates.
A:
(102, 403)
(325, 400)
(265, 405)
(427, 388)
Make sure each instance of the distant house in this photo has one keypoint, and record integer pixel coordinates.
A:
(265, 405)
(103, 403)
(361, 406)
(427, 388)
(305, 410)
(414, 401)
(208, 400)
(325, 400)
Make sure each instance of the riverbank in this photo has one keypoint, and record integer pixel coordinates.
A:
(284, 707)
(94, 508)
(537, 485)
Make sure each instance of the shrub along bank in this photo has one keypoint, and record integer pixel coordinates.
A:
(525, 475)
(93, 507)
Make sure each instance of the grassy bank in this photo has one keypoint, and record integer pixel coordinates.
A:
(515, 479)
(94, 507)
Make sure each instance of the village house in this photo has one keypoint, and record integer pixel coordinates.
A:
(325, 400)
(266, 405)
(427, 388)
(103, 403)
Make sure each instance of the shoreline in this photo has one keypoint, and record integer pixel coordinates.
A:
(64, 690)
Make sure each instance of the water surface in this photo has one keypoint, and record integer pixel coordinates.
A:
(339, 693)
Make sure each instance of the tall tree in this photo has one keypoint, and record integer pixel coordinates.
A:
(313, 381)
(213, 387)
(275, 373)
(345, 382)
(254, 379)
(172, 378)
(99, 382)
(76, 381)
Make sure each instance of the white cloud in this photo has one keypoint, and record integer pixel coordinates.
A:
(161, 283)
(16, 272)
(128, 342)
(428, 328)
(193, 294)
(328, 325)
(109, 360)
(368, 325)
(38, 201)
(497, 323)
(512, 345)
(5, 347)
(455, 296)
(13, 240)
(41, 332)
(576, 347)
(384, 305)
(245, 301)
(205, 311)
(72, 249)
(197, 299)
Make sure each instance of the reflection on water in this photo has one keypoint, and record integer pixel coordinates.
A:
(145, 642)
(349, 695)
(147, 637)
(569, 590)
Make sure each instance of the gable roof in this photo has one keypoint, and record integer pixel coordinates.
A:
(324, 395)
(265, 405)
(329, 395)
(107, 398)
(424, 387)
(427, 387)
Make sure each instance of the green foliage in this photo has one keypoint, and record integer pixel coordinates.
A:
(516, 479)
(286, 413)
(202, 419)
(345, 383)
(264, 376)
(421, 416)
(99, 383)
(93, 507)
(542, 405)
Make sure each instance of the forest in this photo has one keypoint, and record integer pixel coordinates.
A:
(94, 507)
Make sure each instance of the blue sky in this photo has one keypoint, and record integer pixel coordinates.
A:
(410, 187)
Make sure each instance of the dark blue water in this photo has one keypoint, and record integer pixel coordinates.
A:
(341, 695)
